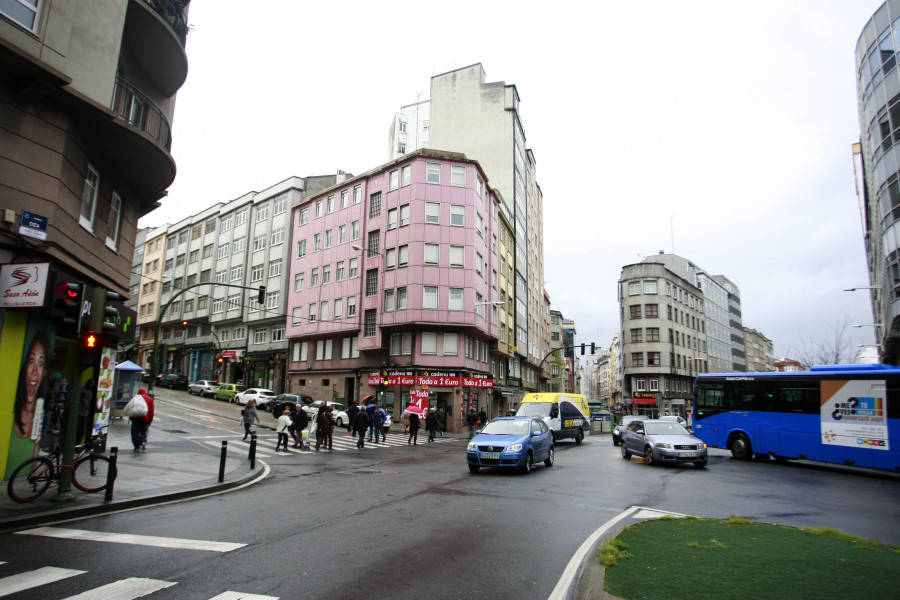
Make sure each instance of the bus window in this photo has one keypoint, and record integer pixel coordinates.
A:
(744, 396)
(798, 400)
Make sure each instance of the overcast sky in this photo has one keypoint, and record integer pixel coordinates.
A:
(721, 130)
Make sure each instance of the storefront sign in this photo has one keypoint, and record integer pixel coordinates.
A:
(392, 378)
(229, 353)
(478, 381)
(419, 398)
(438, 378)
(23, 285)
(645, 395)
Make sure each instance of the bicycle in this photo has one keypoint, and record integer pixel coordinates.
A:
(34, 476)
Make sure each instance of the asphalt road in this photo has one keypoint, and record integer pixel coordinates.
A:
(412, 522)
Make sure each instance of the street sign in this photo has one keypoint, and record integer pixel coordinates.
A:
(34, 225)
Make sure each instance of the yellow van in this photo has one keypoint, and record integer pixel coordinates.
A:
(565, 414)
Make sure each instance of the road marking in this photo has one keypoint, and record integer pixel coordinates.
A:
(25, 581)
(124, 589)
(242, 596)
(127, 538)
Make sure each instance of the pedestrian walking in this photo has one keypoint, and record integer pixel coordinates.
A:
(414, 425)
(471, 419)
(370, 410)
(284, 424)
(430, 424)
(249, 416)
(441, 421)
(379, 417)
(324, 426)
(299, 421)
(361, 422)
(351, 412)
(482, 418)
(141, 425)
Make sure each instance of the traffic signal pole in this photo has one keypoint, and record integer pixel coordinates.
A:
(154, 363)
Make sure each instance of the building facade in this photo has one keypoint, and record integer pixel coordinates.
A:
(759, 351)
(876, 160)
(395, 288)
(482, 119)
(87, 94)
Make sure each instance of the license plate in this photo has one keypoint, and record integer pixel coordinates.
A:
(687, 454)
(490, 455)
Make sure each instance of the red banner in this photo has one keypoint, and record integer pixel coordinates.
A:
(438, 378)
(392, 378)
(419, 398)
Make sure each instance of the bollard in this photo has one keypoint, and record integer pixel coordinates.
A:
(222, 461)
(111, 474)
(253, 450)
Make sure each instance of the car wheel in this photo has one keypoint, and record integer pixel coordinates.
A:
(700, 464)
(740, 447)
(474, 468)
(625, 453)
(529, 463)
(579, 437)
(549, 461)
(615, 441)
(648, 455)
(339, 422)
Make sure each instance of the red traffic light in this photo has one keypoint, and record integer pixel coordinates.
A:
(221, 360)
(184, 323)
(69, 291)
(91, 340)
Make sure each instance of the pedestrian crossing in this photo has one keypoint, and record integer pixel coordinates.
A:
(266, 442)
(122, 589)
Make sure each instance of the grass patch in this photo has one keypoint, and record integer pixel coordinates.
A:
(701, 559)
(611, 552)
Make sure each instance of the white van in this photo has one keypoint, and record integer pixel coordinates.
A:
(565, 414)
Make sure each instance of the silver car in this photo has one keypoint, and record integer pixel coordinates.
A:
(662, 442)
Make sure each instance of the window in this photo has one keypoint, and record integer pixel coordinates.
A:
(115, 218)
(312, 312)
(239, 219)
(653, 334)
(458, 175)
(210, 226)
(238, 245)
(304, 215)
(330, 204)
(260, 335)
(89, 198)
(394, 180)
(456, 299)
(402, 125)
(326, 274)
(182, 236)
(223, 251)
(208, 250)
(406, 175)
(320, 208)
(433, 172)
(653, 359)
(275, 268)
(635, 311)
(479, 260)
(194, 256)
(273, 298)
(203, 303)
(314, 277)
(429, 297)
(323, 352)
(351, 306)
(234, 301)
(373, 244)
(388, 304)
(354, 230)
(345, 199)
(432, 254)
(375, 205)
(479, 186)
(429, 342)
(205, 276)
(349, 348)
(457, 215)
(392, 219)
(479, 225)
(329, 238)
(390, 258)
(236, 273)
(404, 215)
(369, 323)
(277, 236)
(218, 305)
(401, 298)
(338, 308)
(650, 286)
(651, 311)
(634, 288)
(637, 359)
(280, 205)
(317, 242)
(278, 333)
(457, 256)
(298, 281)
(357, 194)
(256, 273)
(432, 213)
(637, 335)
(353, 268)
(259, 242)
(371, 282)
(196, 232)
(451, 344)
(401, 344)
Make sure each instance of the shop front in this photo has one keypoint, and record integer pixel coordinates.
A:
(645, 404)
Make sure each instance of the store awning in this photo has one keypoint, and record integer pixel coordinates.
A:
(643, 401)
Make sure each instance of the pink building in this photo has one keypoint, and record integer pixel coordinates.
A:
(393, 286)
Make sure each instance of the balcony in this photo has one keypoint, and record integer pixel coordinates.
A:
(155, 34)
(139, 111)
(172, 11)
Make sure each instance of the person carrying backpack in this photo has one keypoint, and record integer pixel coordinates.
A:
(378, 419)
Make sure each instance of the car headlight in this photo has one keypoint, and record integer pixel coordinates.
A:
(664, 445)
(471, 446)
(514, 447)
(616, 431)
(701, 445)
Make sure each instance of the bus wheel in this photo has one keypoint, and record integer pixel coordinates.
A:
(579, 437)
(740, 447)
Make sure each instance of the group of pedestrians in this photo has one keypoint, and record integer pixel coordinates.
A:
(368, 419)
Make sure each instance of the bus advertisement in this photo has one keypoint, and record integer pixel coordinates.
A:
(841, 414)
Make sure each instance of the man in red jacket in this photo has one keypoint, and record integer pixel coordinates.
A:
(139, 425)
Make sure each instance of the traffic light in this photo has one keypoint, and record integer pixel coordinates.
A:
(91, 348)
(262, 295)
(68, 302)
(184, 323)
(110, 313)
(220, 360)
(592, 349)
(582, 349)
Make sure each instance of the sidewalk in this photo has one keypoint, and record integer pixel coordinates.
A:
(171, 468)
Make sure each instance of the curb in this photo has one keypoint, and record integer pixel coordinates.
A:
(77, 512)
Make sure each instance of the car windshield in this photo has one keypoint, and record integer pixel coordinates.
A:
(534, 409)
(665, 429)
(517, 427)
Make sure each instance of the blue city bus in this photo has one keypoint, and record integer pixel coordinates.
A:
(842, 414)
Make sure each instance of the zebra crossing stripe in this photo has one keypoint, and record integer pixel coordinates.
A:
(124, 589)
(29, 579)
(127, 538)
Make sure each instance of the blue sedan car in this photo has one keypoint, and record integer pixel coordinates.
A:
(516, 442)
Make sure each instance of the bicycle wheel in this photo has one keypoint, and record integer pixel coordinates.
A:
(30, 479)
(90, 473)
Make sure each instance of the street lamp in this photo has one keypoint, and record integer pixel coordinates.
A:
(863, 287)
(870, 325)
